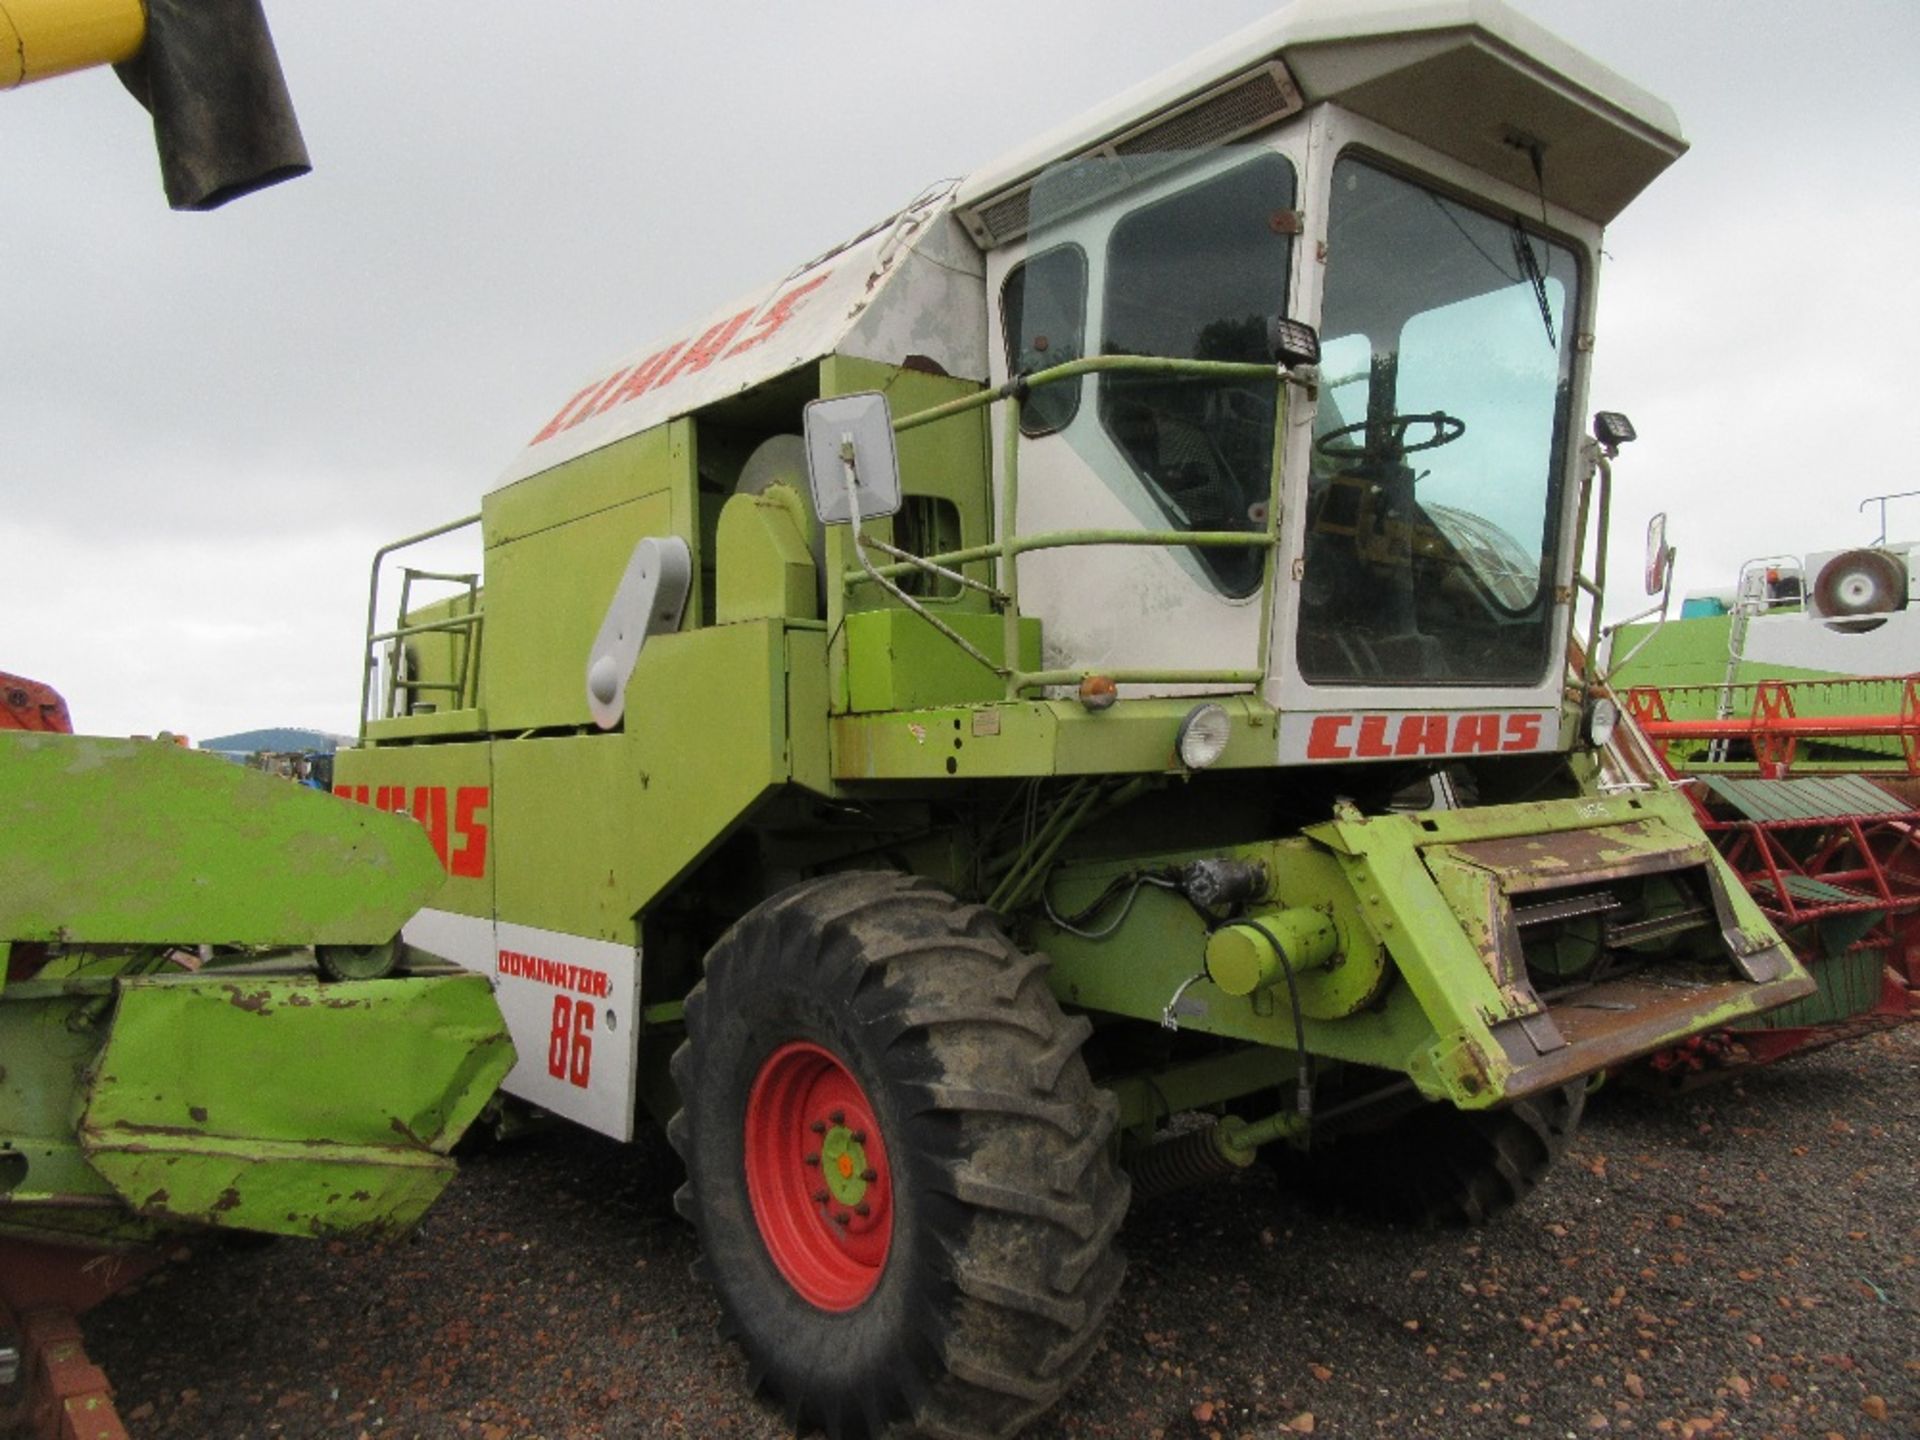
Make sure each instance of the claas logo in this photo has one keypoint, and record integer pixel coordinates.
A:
(462, 847)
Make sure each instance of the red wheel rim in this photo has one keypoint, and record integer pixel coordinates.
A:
(817, 1176)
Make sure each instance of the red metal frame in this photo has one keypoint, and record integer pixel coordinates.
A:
(1773, 725)
(1873, 859)
(43, 1288)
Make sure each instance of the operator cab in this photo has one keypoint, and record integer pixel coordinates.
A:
(1427, 189)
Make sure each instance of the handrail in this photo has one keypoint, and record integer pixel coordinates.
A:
(1881, 501)
(373, 603)
(1010, 545)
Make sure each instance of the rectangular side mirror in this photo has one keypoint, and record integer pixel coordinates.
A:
(1658, 555)
(850, 437)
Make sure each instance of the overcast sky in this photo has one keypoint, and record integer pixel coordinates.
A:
(208, 422)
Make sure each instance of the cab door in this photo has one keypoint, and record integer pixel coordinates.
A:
(1189, 262)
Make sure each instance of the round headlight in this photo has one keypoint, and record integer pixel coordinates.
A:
(1203, 736)
(1602, 716)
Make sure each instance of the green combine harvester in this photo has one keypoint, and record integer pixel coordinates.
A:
(1090, 650)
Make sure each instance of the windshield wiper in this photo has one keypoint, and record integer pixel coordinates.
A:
(1523, 256)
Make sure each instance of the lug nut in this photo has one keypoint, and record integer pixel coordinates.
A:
(839, 1117)
(859, 1137)
(818, 1127)
(840, 1217)
(820, 1197)
(869, 1176)
(863, 1208)
(813, 1160)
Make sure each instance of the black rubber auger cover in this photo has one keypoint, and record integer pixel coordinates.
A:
(1003, 1264)
(222, 118)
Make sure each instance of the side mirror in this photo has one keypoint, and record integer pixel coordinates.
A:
(851, 463)
(1293, 342)
(1658, 555)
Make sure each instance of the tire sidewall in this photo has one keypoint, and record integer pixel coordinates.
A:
(770, 984)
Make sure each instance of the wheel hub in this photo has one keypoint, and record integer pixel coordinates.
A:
(817, 1176)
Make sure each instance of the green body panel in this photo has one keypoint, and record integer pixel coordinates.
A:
(548, 593)
(1693, 651)
(569, 867)
(144, 842)
(764, 566)
(896, 661)
(300, 1107)
(165, 1059)
(450, 787)
(266, 1100)
(590, 828)
(1039, 737)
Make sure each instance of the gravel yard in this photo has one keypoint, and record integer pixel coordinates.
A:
(1741, 1261)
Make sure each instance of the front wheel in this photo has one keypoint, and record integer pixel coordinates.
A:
(896, 1162)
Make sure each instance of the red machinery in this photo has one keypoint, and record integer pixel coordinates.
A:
(1832, 853)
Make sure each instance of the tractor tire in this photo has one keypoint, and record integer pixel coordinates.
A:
(897, 1166)
(1438, 1166)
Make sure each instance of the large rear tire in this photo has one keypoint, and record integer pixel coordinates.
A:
(1440, 1166)
(897, 1165)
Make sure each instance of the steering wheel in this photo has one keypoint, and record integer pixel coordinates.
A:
(1446, 429)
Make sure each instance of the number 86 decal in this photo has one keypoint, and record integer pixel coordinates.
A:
(570, 1042)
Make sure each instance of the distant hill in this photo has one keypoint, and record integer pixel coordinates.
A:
(282, 738)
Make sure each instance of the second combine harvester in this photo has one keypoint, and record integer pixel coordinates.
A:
(1157, 702)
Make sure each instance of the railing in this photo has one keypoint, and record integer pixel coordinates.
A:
(1881, 501)
(1011, 545)
(465, 627)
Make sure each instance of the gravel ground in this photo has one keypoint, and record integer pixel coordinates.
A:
(1740, 1261)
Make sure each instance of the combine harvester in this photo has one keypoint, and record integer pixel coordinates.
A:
(1090, 648)
(1791, 707)
(206, 1015)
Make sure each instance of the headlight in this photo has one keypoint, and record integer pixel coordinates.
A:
(1602, 716)
(1202, 736)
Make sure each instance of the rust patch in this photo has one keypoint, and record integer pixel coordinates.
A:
(229, 1200)
(254, 1002)
(199, 1114)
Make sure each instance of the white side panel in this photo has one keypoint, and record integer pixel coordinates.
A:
(1891, 648)
(572, 1007)
(466, 940)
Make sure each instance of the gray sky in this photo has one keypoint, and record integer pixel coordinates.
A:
(208, 422)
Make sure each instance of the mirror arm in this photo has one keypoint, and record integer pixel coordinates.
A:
(866, 564)
(1666, 600)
